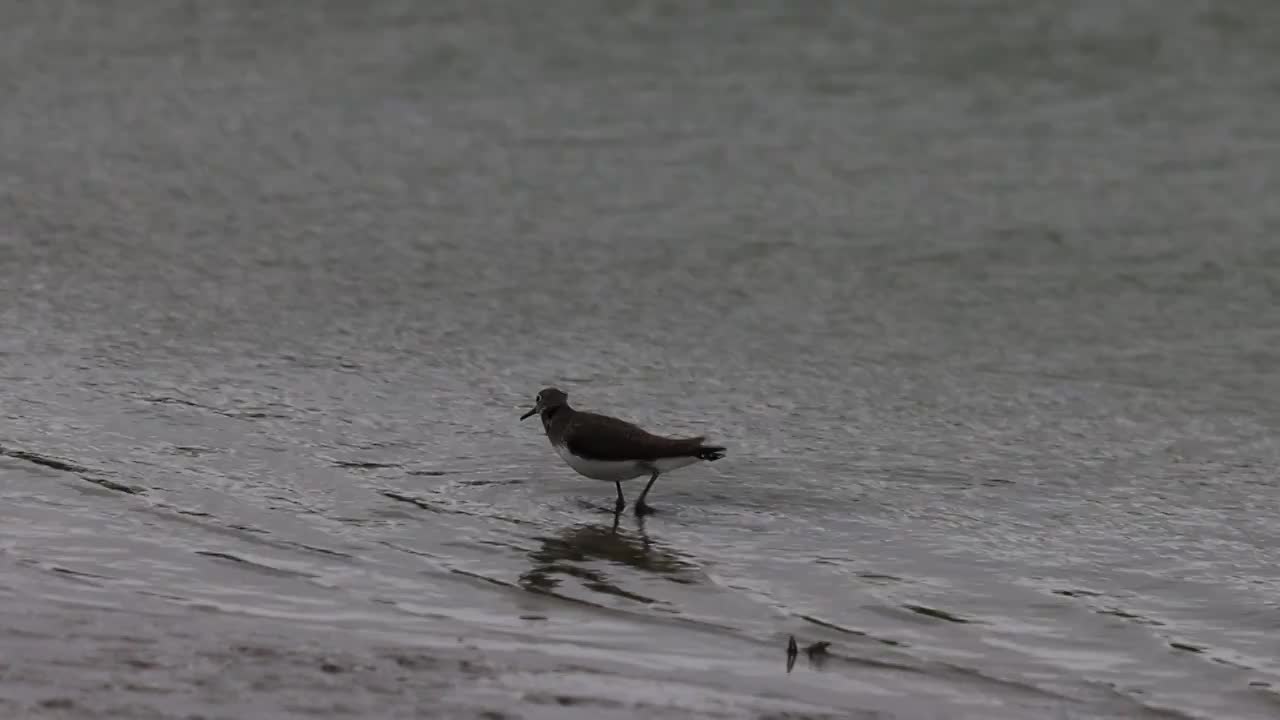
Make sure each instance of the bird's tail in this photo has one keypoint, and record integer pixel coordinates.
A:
(710, 452)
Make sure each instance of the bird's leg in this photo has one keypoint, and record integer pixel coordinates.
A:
(622, 501)
(641, 507)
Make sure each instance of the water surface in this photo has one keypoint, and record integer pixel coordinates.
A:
(980, 297)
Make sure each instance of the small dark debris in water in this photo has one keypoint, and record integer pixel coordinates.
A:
(1185, 646)
(361, 465)
(935, 613)
(427, 473)
(492, 715)
(112, 485)
(330, 667)
(58, 704)
(817, 653)
(569, 700)
(1077, 593)
(45, 460)
(1259, 683)
(792, 651)
(194, 513)
(533, 617)
(817, 649)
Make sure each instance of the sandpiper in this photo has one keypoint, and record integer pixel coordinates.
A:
(605, 448)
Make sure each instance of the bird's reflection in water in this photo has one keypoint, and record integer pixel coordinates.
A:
(585, 551)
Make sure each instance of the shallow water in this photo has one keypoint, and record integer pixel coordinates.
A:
(980, 297)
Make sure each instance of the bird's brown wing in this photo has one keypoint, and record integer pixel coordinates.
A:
(600, 437)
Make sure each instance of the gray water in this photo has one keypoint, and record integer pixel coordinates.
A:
(981, 297)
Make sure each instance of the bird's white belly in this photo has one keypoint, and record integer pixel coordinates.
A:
(619, 470)
(607, 470)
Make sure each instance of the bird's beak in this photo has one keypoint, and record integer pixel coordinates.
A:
(532, 412)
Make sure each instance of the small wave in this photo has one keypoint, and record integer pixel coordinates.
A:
(260, 567)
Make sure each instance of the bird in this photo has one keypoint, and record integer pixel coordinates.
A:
(612, 450)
